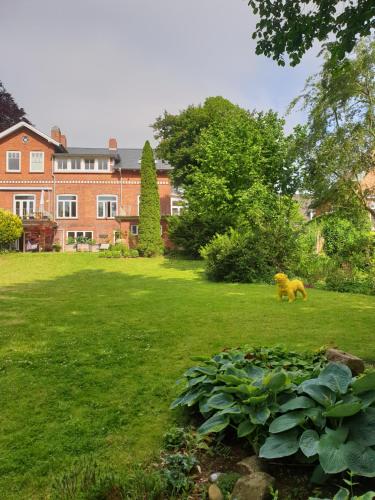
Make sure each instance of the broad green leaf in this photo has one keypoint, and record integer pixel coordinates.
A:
(336, 377)
(232, 410)
(254, 372)
(259, 414)
(245, 428)
(214, 424)
(331, 450)
(230, 379)
(276, 381)
(360, 461)
(280, 445)
(255, 400)
(340, 410)
(321, 394)
(316, 416)
(342, 494)
(196, 370)
(365, 383)
(368, 398)
(220, 401)
(309, 443)
(287, 421)
(319, 476)
(297, 404)
(197, 380)
(189, 398)
(362, 427)
(203, 406)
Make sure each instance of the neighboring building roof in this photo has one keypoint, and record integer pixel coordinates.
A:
(127, 158)
(19, 125)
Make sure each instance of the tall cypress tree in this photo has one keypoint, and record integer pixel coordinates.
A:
(150, 242)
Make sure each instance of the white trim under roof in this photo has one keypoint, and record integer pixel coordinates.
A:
(30, 127)
(15, 188)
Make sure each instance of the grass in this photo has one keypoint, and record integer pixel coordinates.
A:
(90, 349)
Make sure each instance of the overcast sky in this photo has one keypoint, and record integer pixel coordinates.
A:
(101, 68)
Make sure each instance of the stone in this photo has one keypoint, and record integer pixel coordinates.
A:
(249, 465)
(253, 487)
(214, 493)
(356, 364)
(214, 477)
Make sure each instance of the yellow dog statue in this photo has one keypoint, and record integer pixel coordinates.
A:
(289, 287)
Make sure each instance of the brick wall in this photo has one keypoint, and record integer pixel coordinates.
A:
(87, 186)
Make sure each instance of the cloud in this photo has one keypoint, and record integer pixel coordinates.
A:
(100, 68)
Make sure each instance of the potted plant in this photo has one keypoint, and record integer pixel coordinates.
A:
(56, 247)
(82, 244)
(70, 244)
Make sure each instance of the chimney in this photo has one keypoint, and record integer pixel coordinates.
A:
(56, 134)
(63, 141)
(112, 144)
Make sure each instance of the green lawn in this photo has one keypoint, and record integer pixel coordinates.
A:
(90, 350)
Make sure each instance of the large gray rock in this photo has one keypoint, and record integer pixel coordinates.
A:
(253, 487)
(214, 493)
(355, 364)
(249, 465)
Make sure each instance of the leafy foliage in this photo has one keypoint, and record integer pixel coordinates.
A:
(241, 388)
(290, 27)
(10, 112)
(150, 242)
(337, 428)
(291, 405)
(10, 228)
(340, 137)
(266, 240)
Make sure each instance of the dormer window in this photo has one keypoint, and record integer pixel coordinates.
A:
(89, 164)
(103, 164)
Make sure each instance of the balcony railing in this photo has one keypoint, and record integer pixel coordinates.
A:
(36, 216)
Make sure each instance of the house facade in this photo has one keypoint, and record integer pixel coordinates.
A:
(63, 192)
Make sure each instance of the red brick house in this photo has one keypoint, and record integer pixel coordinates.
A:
(63, 192)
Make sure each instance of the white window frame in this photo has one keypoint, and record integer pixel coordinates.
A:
(131, 229)
(19, 164)
(75, 234)
(82, 164)
(30, 200)
(41, 170)
(179, 207)
(97, 206)
(57, 205)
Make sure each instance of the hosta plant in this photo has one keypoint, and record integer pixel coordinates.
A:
(237, 388)
(330, 418)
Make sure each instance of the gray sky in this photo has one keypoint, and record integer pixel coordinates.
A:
(101, 68)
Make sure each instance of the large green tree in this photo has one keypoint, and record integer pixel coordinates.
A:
(229, 157)
(179, 134)
(338, 153)
(290, 27)
(150, 242)
(10, 112)
(10, 228)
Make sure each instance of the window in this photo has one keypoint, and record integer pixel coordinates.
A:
(13, 161)
(89, 164)
(80, 234)
(62, 164)
(134, 229)
(24, 205)
(67, 206)
(36, 161)
(103, 164)
(106, 206)
(177, 206)
(75, 163)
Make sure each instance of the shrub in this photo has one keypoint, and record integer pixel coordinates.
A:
(303, 405)
(111, 254)
(10, 228)
(351, 281)
(133, 253)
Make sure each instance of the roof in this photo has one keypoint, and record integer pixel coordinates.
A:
(22, 124)
(128, 158)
